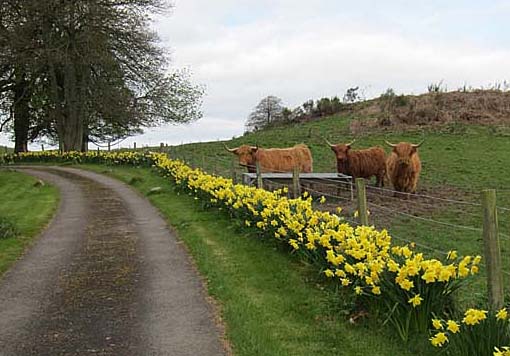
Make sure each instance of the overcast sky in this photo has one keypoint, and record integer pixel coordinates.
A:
(244, 50)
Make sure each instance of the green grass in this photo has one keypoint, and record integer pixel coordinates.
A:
(271, 303)
(458, 162)
(4, 149)
(27, 207)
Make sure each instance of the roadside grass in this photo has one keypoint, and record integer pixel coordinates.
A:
(271, 303)
(4, 149)
(458, 162)
(26, 207)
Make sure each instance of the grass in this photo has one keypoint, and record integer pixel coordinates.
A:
(4, 149)
(271, 303)
(458, 162)
(26, 207)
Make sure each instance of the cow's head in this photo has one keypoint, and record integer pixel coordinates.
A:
(341, 151)
(246, 155)
(404, 151)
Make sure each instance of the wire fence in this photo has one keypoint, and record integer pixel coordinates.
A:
(435, 220)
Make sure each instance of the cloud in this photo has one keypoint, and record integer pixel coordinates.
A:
(296, 55)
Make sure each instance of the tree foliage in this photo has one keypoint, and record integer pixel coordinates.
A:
(88, 69)
(268, 111)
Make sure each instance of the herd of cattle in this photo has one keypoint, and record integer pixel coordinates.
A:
(402, 167)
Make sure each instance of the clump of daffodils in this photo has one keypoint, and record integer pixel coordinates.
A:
(479, 332)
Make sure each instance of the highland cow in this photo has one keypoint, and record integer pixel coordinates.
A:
(360, 163)
(403, 166)
(274, 159)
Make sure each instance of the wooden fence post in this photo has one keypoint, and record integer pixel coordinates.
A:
(296, 187)
(362, 201)
(108, 146)
(492, 250)
(134, 146)
(260, 183)
(233, 172)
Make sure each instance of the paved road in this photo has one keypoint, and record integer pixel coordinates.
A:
(106, 277)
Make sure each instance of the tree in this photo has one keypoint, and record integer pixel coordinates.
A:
(352, 95)
(268, 111)
(309, 107)
(93, 68)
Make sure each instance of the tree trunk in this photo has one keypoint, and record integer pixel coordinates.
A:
(21, 111)
(85, 141)
(73, 126)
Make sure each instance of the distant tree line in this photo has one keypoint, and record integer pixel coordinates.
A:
(270, 110)
(86, 70)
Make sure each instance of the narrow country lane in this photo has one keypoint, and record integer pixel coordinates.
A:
(107, 277)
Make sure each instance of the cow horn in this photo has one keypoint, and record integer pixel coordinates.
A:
(390, 144)
(418, 145)
(229, 149)
(329, 143)
(350, 144)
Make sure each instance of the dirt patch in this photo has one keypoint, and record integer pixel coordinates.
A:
(402, 113)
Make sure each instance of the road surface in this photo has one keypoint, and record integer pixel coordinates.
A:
(107, 277)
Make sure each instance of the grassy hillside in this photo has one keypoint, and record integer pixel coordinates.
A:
(458, 161)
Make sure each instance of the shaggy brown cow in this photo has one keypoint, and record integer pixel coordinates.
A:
(404, 166)
(274, 159)
(361, 163)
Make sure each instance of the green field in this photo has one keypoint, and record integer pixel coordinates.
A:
(271, 303)
(27, 208)
(458, 162)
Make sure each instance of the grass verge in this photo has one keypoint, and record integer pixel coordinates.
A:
(272, 304)
(27, 208)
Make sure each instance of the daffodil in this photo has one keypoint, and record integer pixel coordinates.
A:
(416, 300)
(504, 351)
(437, 324)
(474, 316)
(452, 326)
(502, 314)
(329, 273)
(452, 255)
(439, 339)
